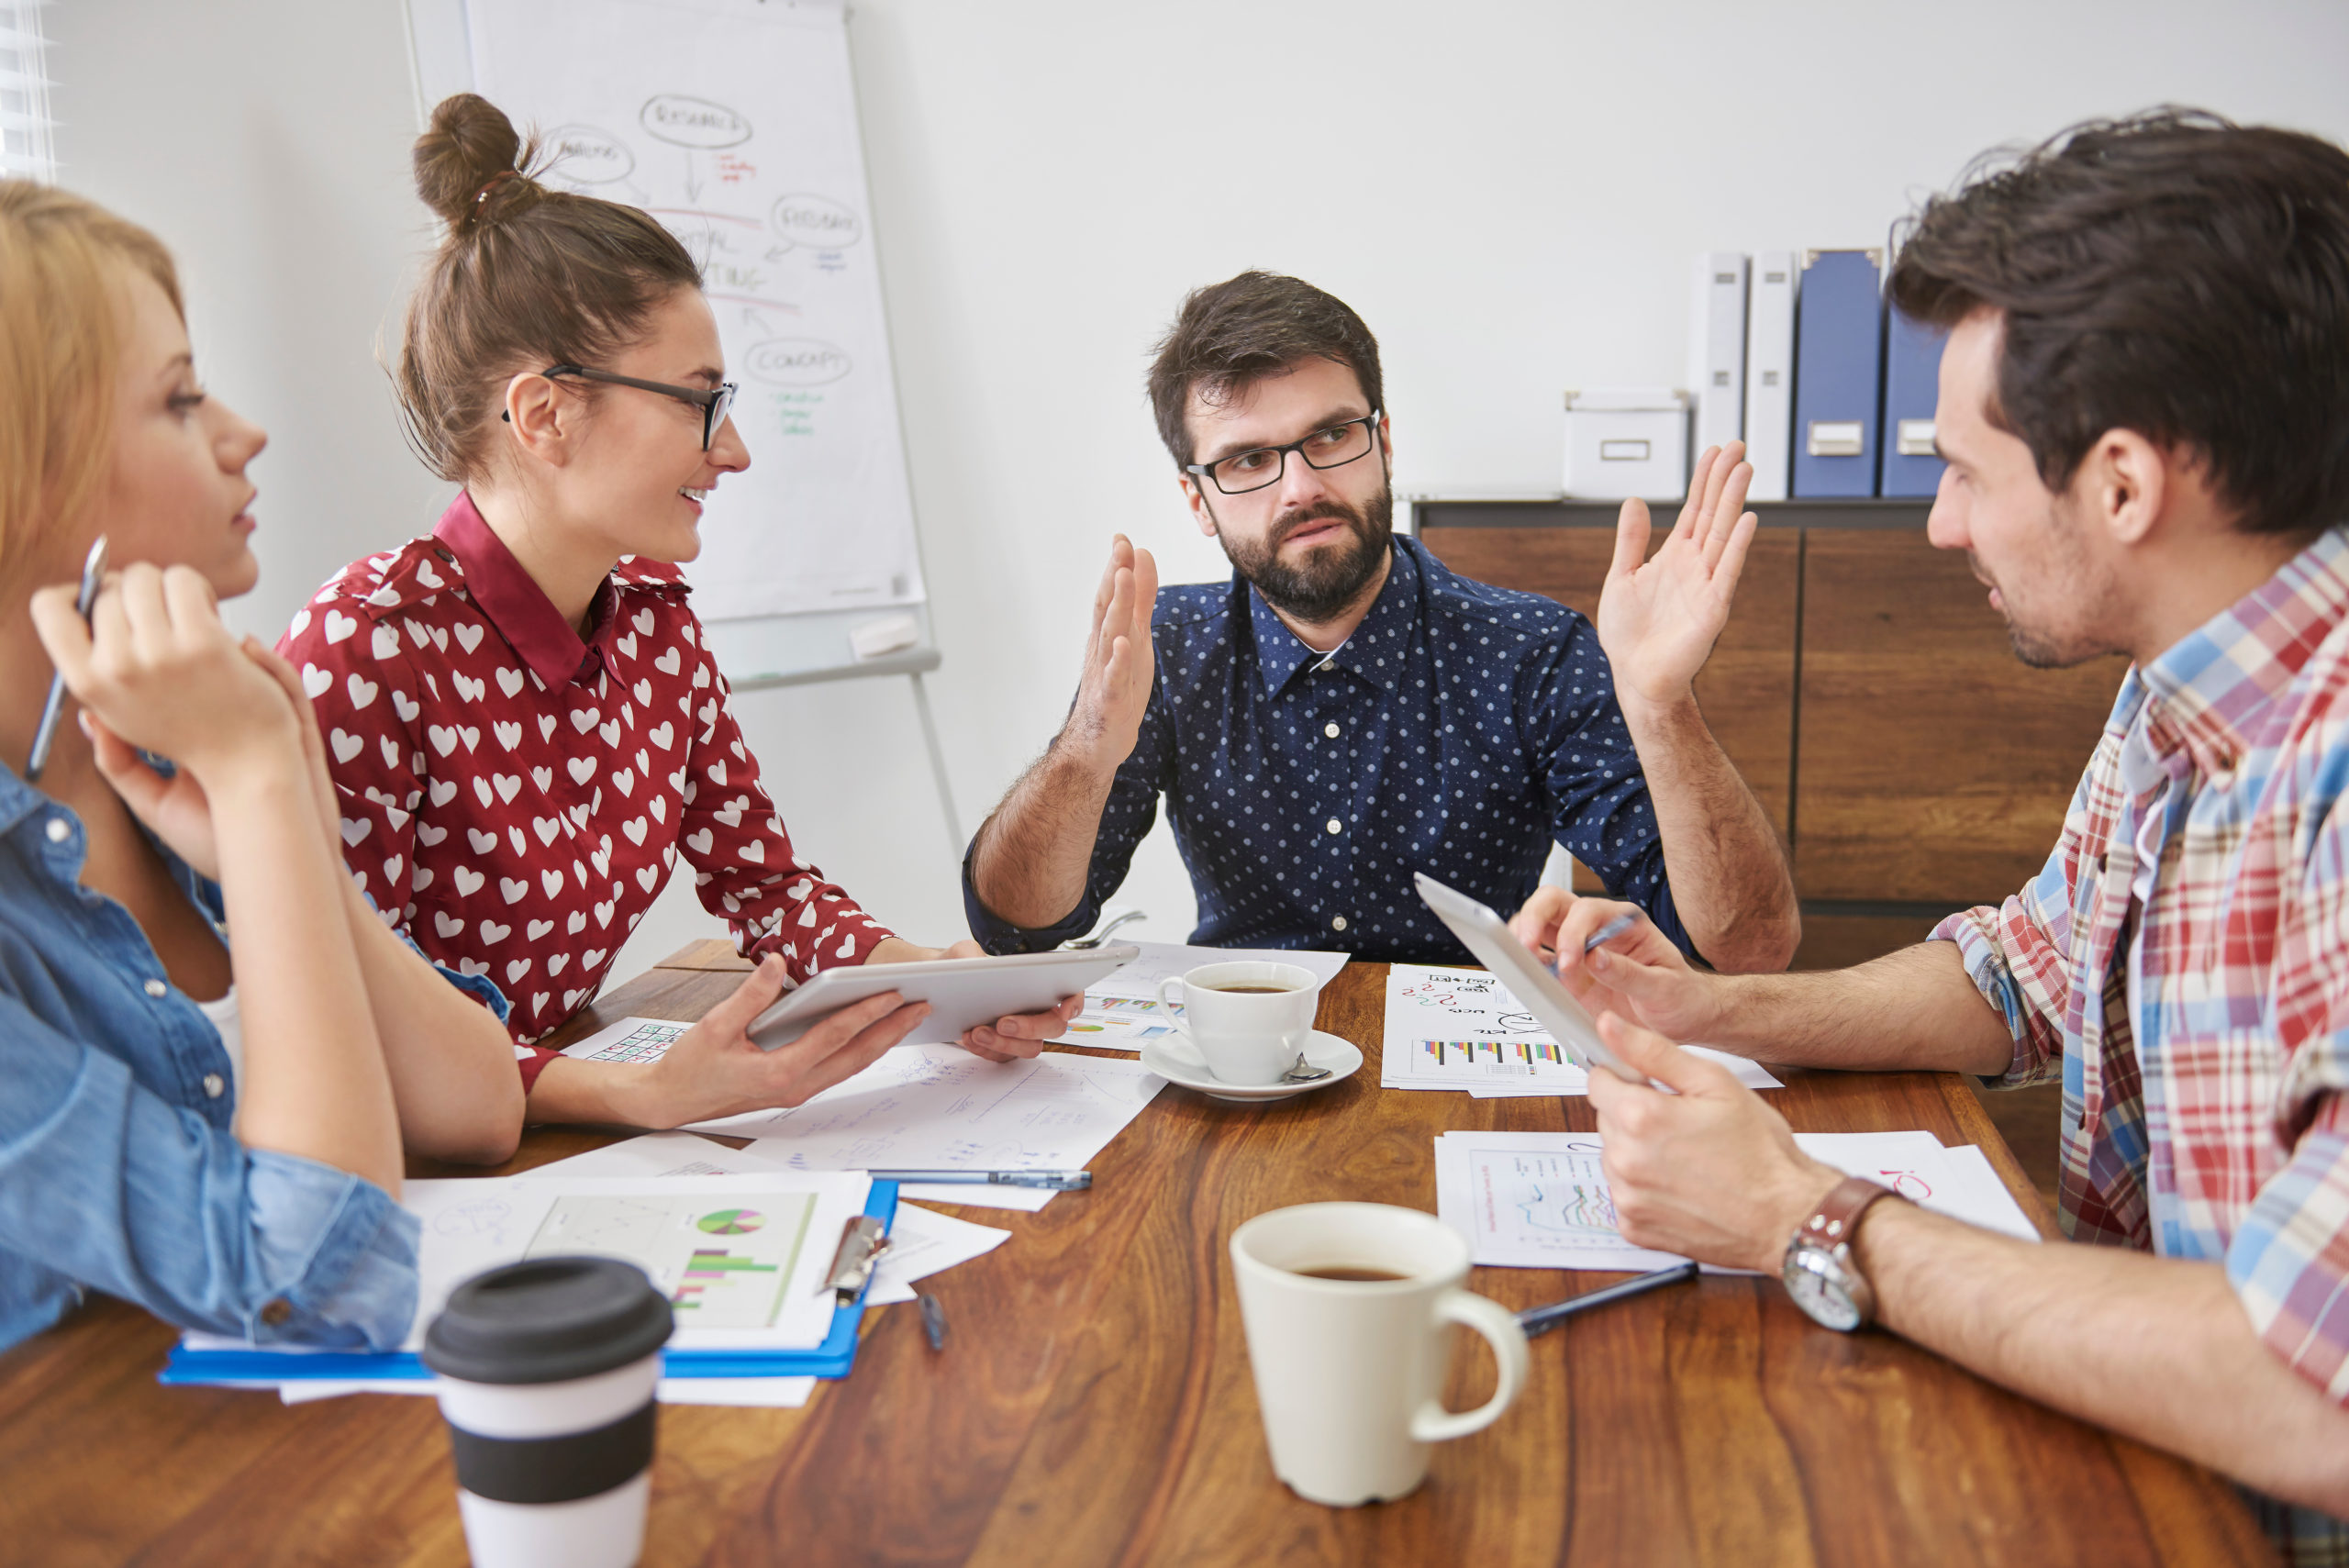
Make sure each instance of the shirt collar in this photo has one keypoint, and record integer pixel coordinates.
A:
(18, 799)
(1373, 651)
(2208, 693)
(520, 609)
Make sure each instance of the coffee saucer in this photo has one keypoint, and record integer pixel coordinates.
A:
(1176, 1059)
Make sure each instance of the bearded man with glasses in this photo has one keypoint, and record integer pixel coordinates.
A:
(1346, 711)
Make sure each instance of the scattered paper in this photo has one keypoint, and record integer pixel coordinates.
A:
(924, 1242)
(1461, 1028)
(690, 1154)
(630, 1040)
(768, 1393)
(1540, 1199)
(1122, 1009)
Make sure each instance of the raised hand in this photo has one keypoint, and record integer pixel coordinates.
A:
(1119, 661)
(1658, 619)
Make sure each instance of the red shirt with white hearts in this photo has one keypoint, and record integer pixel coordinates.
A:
(519, 794)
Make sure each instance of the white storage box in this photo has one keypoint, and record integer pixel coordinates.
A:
(1626, 441)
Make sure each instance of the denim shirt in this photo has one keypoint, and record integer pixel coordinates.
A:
(118, 1170)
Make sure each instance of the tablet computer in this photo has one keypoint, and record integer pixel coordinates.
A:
(961, 992)
(1530, 980)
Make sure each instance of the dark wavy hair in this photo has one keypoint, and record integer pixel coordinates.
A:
(2171, 273)
(1246, 328)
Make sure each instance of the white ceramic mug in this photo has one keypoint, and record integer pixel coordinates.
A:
(1350, 1373)
(1246, 1037)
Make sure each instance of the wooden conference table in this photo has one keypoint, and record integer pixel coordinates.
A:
(1093, 1404)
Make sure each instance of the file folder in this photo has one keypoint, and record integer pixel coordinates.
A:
(1912, 365)
(1717, 349)
(1770, 374)
(1839, 356)
(832, 1359)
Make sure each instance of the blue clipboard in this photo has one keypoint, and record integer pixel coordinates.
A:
(834, 1358)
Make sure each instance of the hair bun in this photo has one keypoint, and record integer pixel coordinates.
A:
(471, 142)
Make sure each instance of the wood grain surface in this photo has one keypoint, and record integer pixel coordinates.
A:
(1933, 765)
(1093, 1404)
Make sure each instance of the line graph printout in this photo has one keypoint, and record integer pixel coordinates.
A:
(1461, 1028)
(734, 124)
(937, 1108)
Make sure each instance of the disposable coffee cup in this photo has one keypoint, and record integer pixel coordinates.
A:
(1248, 1019)
(1348, 1309)
(547, 1370)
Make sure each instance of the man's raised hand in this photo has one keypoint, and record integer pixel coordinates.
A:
(1119, 661)
(1658, 619)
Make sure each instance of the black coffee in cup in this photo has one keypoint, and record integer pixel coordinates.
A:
(547, 1373)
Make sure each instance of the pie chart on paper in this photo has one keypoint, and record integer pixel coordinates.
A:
(731, 1221)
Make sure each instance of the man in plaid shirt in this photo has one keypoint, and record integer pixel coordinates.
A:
(2144, 403)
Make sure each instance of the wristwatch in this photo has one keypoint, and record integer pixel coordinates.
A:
(1820, 1271)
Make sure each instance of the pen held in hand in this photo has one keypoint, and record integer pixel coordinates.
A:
(1537, 1320)
(1610, 932)
(93, 572)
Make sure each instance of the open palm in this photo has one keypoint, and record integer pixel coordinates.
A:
(1658, 619)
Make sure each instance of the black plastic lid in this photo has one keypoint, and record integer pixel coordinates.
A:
(548, 1320)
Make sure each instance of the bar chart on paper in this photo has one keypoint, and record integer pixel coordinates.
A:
(720, 1259)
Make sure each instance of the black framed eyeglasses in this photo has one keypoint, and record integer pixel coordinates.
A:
(1333, 446)
(714, 405)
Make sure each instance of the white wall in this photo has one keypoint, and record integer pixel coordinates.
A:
(1509, 193)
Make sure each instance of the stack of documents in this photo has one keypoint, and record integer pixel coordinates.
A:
(1461, 1028)
(1123, 1011)
(937, 1108)
(1540, 1200)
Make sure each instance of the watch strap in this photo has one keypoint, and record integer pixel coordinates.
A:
(1838, 1215)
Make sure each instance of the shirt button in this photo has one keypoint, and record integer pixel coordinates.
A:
(59, 832)
(156, 988)
(276, 1312)
(215, 1086)
(1337, 922)
(1336, 826)
(1331, 730)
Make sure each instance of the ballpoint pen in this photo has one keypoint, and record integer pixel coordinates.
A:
(1610, 932)
(1540, 1319)
(93, 572)
(1058, 1181)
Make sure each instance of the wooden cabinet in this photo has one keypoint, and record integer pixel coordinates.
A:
(1864, 688)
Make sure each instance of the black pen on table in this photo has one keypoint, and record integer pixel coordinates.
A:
(93, 572)
(1540, 1319)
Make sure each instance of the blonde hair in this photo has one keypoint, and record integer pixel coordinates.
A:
(61, 261)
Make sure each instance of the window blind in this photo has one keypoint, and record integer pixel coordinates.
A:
(28, 149)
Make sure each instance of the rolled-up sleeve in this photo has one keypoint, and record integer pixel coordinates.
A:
(2289, 1260)
(110, 1186)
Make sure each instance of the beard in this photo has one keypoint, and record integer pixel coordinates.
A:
(1330, 576)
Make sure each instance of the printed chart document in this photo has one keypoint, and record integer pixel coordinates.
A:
(1540, 1199)
(630, 1040)
(1122, 1009)
(937, 1108)
(764, 1393)
(1461, 1028)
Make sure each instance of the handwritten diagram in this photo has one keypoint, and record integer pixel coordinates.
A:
(735, 126)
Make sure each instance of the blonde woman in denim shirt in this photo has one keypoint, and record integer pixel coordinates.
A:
(217, 1139)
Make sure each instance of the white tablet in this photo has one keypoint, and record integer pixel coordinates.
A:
(961, 992)
(1487, 935)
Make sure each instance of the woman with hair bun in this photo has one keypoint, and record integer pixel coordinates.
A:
(525, 727)
(213, 1050)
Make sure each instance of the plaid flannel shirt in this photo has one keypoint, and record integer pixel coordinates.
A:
(2211, 1126)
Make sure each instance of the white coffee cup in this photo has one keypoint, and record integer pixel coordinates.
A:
(1246, 1037)
(547, 1371)
(1350, 1373)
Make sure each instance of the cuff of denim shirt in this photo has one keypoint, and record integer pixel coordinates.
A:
(1000, 936)
(1975, 933)
(480, 987)
(336, 1256)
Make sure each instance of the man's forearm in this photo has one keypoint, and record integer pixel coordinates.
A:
(2156, 1348)
(1728, 870)
(1033, 854)
(1914, 1010)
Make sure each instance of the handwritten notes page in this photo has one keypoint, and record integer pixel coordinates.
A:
(1541, 1200)
(735, 126)
(1122, 1010)
(937, 1108)
(1461, 1028)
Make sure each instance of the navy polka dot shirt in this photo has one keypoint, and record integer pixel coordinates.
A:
(1458, 731)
